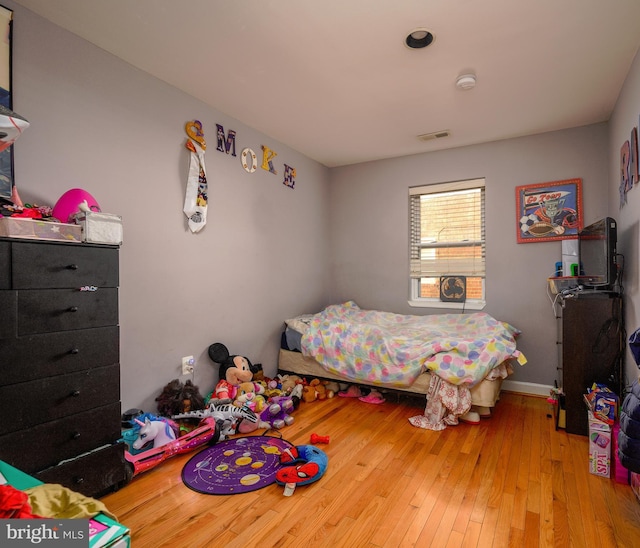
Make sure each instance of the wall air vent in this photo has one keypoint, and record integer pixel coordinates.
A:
(434, 135)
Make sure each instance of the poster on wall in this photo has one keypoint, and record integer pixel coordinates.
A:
(549, 211)
(6, 156)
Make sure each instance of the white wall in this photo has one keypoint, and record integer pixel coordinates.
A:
(99, 124)
(370, 228)
(626, 117)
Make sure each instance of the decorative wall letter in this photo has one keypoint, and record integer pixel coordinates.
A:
(289, 176)
(225, 145)
(267, 156)
(247, 155)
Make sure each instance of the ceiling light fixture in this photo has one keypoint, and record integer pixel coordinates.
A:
(419, 38)
(466, 81)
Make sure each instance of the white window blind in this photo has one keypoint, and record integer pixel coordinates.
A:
(447, 229)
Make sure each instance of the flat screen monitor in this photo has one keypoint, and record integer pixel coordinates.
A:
(597, 252)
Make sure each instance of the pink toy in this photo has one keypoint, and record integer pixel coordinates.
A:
(69, 203)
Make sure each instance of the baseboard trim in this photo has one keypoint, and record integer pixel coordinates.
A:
(529, 388)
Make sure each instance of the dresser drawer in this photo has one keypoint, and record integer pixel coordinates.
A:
(35, 356)
(93, 475)
(53, 266)
(30, 403)
(45, 445)
(49, 310)
(5, 265)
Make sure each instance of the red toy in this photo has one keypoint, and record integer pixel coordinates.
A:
(315, 438)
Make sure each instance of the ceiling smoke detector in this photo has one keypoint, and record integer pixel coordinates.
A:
(466, 81)
(434, 135)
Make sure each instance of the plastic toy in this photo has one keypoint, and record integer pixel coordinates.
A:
(207, 432)
(229, 418)
(69, 203)
(158, 431)
(319, 439)
(278, 412)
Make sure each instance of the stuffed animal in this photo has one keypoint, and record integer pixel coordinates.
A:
(178, 398)
(289, 382)
(278, 412)
(250, 394)
(332, 388)
(309, 393)
(321, 390)
(233, 370)
(302, 465)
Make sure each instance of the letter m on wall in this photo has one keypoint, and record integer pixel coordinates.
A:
(226, 143)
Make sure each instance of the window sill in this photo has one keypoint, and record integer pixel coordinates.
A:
(434, 303)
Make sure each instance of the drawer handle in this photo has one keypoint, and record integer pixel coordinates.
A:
(75, 435)
(73, 267)
(75, 393)
(73, 309)
(74, 351)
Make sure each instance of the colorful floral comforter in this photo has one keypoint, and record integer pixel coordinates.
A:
(386, 349)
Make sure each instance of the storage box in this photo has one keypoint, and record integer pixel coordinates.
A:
(36, 229)
(599, 447)
(99, 228)
(618, 472)
(558, 284)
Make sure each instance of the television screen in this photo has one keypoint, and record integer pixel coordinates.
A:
(597, 249)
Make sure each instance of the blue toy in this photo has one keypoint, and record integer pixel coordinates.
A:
(305, 464)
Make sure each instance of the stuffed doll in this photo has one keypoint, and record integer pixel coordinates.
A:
(179, 398)
(234, 370)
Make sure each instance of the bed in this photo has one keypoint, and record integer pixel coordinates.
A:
(456, 360)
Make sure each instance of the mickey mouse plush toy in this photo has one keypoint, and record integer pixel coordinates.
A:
(234, 370)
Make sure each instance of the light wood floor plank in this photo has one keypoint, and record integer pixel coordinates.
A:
(512, 480)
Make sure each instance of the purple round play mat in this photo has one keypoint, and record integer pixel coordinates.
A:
(234, 466)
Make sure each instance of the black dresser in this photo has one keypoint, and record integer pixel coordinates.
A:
(59, 364)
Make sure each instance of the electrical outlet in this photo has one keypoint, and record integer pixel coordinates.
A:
(187, 365)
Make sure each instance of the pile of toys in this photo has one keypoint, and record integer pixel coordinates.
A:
(602, 402)
(243, 400)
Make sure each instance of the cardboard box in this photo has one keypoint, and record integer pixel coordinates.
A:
(99, 228)
(599, 447)
(36, 229)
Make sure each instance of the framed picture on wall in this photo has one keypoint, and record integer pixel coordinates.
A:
(6, 156)
(549, 211)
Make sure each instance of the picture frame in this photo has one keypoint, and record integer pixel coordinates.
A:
(549, 211)
(6, 156)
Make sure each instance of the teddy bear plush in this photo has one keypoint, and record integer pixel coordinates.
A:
(250, 394)
(309, 393)
(234, 369)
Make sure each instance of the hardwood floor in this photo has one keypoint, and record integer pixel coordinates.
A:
(511, 481)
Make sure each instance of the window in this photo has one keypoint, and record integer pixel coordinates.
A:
(447, 238)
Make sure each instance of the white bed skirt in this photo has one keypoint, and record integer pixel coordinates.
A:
(484, 394)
